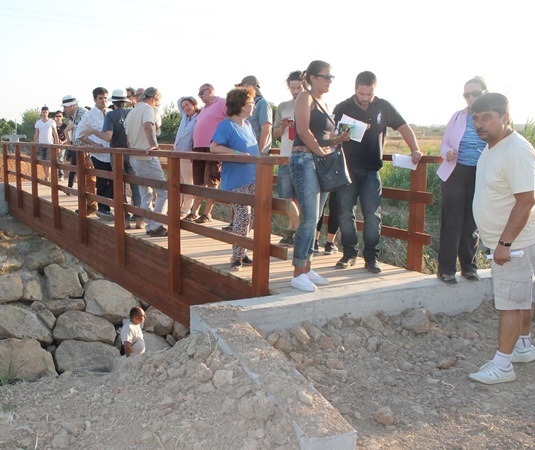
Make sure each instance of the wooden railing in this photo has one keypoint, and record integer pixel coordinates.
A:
(263, 202)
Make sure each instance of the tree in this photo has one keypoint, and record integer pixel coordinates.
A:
(6, 126)
(170, 122)
(27, 127)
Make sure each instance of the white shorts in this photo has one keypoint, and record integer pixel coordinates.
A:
(513, 282)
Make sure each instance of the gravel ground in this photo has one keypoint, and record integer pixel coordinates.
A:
(401, 381)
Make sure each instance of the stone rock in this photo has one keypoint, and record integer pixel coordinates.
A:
(77, 356)
(83, 326)
(203, 373)
(157, 322)
(312, 331)
(62, 282)
(301, 335)
(44, 314)
(11, 288)
(372, 323)
(42, 253)
(58, 307)
(9, 263)
(32, 290)
(179, 331)
(28, 360)
(154, 343)
(384, 416)
(416, 321)
(222, 378)
(21, 322)
(109, 300)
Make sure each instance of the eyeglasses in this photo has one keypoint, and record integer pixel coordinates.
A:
(326, 77)
(202, 92)
(473, 94)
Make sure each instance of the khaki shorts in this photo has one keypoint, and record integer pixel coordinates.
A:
(513, 282)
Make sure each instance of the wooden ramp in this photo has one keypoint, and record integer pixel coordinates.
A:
(215, 255)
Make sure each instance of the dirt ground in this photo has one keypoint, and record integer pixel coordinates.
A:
(398, 389)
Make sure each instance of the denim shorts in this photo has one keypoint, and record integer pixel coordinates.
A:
(513, 282)
(285, 188)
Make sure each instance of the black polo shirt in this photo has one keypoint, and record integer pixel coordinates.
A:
(381, 114)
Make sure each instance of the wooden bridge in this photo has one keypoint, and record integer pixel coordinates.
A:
(191, 265)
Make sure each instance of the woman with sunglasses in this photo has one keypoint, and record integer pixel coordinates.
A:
(460, 149)
(314, 135)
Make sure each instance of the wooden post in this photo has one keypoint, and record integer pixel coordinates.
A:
(173, 224)
(18, 178)
(118, 208)
(416, 218)
(35, 183)
(54, 180)
(6, 168)
(82, 200)
(262, 229)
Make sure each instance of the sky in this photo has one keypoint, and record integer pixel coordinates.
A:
(422, 52)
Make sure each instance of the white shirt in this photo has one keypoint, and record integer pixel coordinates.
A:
(46, 135)
(94, 118)
(133, 334)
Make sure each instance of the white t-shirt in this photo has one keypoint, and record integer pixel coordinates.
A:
(46, 135)
(135, 131)
(285, 111)
(133, 334)
(506, 169)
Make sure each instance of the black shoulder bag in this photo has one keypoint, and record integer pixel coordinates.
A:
(331, 169)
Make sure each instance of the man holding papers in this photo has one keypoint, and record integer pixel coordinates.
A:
(368, 118)
(503, 209)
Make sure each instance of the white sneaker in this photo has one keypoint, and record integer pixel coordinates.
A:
(491, 373)
(525, 355)
(303, 283)
(317, 279)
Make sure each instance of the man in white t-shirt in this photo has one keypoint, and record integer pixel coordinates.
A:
(45, 133)
(503, 209)
(285, 131)
(131, 334)
(140, 126)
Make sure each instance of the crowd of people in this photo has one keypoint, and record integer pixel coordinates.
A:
(487, 178)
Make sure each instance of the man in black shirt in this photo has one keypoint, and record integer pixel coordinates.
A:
(364, 160)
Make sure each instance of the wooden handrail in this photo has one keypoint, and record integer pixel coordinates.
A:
(265, 205)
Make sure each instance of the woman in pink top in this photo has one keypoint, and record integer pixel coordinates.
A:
(460, 150)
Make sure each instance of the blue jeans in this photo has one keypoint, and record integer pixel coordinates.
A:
(311, 202)
(365, 188)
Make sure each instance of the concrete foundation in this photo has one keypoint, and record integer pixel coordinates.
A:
(321, 426)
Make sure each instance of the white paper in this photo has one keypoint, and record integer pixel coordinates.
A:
(514, 254)
(404, 161)
(357, 127)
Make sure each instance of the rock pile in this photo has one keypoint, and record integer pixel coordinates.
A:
(59, 315)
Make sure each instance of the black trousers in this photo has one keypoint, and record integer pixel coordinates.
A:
(458, 235)
(104, 186)
(332, 223)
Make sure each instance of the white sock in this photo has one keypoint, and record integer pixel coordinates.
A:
(502, 360)
(523, 342)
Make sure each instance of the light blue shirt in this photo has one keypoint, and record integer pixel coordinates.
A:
(184, 135)
(471, 145)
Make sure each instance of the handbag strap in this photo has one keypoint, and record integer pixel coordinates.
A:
(322, 109)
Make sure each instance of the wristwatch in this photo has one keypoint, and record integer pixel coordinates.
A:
(505, 244)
